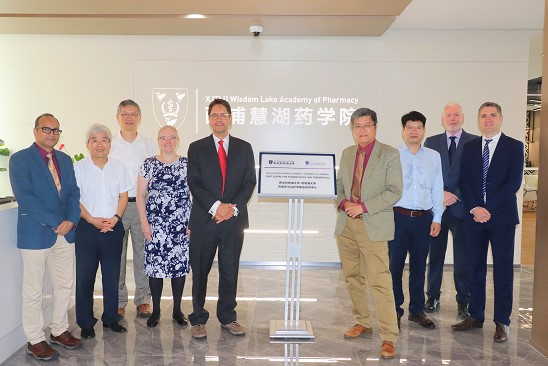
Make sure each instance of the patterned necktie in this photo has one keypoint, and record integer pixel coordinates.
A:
(53, 172)
(358, 173)
(485, 167)
(452, 149)
(222, 163)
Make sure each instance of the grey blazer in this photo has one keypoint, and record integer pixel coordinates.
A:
(381, 189)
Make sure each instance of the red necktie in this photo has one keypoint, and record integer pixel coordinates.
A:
(222, 162)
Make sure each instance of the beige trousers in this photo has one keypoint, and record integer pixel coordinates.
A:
(365, 260)
(59, 261)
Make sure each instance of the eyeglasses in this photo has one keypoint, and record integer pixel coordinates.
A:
(367, 126)
(126, 115)
(49, 130)
(217, 115)
(167, 138)
(414, 128)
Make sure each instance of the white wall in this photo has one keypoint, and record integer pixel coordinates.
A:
(81, 79)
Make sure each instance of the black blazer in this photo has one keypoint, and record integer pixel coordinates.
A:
(205, 182)
(503, 180)
(450, 172)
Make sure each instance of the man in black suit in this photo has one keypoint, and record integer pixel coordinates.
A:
(449, 145)
(491, 174)
(221, 177)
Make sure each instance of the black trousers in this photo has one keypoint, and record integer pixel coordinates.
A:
(93, 248)
(203, 246)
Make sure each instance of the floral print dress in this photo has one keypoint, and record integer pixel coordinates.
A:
(168, 210)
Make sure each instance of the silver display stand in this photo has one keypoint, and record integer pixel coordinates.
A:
(295, 176)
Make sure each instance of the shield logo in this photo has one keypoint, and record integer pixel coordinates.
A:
(170, 106)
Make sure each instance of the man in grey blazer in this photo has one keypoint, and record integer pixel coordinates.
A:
(369, 182)
(449, 145)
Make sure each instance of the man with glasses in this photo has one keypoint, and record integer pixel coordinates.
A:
(44, 184)
(369, 182)
(221, 178)
(417, 216)
(132, 148)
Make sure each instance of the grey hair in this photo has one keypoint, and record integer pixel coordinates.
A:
(363, 112)
(128, 103)
(97, 128)
(451, 104)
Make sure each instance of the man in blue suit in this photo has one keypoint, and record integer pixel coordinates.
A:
(44, 184)
(449, 145)
(491, 174)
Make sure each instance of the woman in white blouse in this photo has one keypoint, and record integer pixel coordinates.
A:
(104, 183)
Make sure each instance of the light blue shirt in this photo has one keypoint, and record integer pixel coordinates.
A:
(422, 181)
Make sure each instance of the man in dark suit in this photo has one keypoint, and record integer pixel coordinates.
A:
(449, 145)
(221, 178)
(44, 184)
(491, 174)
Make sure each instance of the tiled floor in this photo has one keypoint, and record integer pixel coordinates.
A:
(326, 304)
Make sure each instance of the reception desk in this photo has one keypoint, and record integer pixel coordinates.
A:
(11, 276)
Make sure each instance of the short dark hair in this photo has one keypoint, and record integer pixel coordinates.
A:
(490, 104)
(363, 112)
(44, 115)
(126, 103)
(413, 116)
(219, 101)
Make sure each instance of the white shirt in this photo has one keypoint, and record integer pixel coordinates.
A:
(492, 145)
(100, 188)
(132, 155)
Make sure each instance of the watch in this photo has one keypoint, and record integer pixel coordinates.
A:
(118, 216)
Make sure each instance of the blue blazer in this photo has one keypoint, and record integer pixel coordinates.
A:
(41, 207)
(504, 179)
(450, 172)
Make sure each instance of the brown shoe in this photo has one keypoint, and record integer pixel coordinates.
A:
(42, 351)
(422, 319)
(144, 310)
(388, 349)
(356, 331)
(198, 331)
(502, 332)
(467, 324)
(66, 339)
(234, 328)
(121, 312)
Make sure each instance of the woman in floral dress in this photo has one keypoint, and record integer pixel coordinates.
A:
(164, 218)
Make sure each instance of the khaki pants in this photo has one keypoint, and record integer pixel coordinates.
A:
(59, 261)
(365, 260)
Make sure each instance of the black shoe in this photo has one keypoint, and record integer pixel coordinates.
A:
(462, 308)
(180, 319)
(115, 327)
(87, 333)
(431, 305)
(422, 319)
(152, 320)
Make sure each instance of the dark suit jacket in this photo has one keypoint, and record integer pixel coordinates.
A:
(503, 181)
(450, 172)
(41, 207)
(205, 183)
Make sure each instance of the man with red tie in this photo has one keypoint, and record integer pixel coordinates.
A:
(221, 178)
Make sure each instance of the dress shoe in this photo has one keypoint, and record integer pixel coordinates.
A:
(198, 331)
(66, 340)
(87, 333)
(180, 319)
(152, 320)
(42, 351)
(422, 319)
(144, 310)
(467, 324)
(502, 332)
(115, 327)
(388, 350)
(234, 328)
(431, 305)
(462, 309)
(356, 331)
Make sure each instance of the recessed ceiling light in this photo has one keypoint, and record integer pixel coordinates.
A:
(195, 16)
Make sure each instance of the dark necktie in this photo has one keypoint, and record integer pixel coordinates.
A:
(358, 173)
(452, 149)
(485, 166)
(222, 163)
